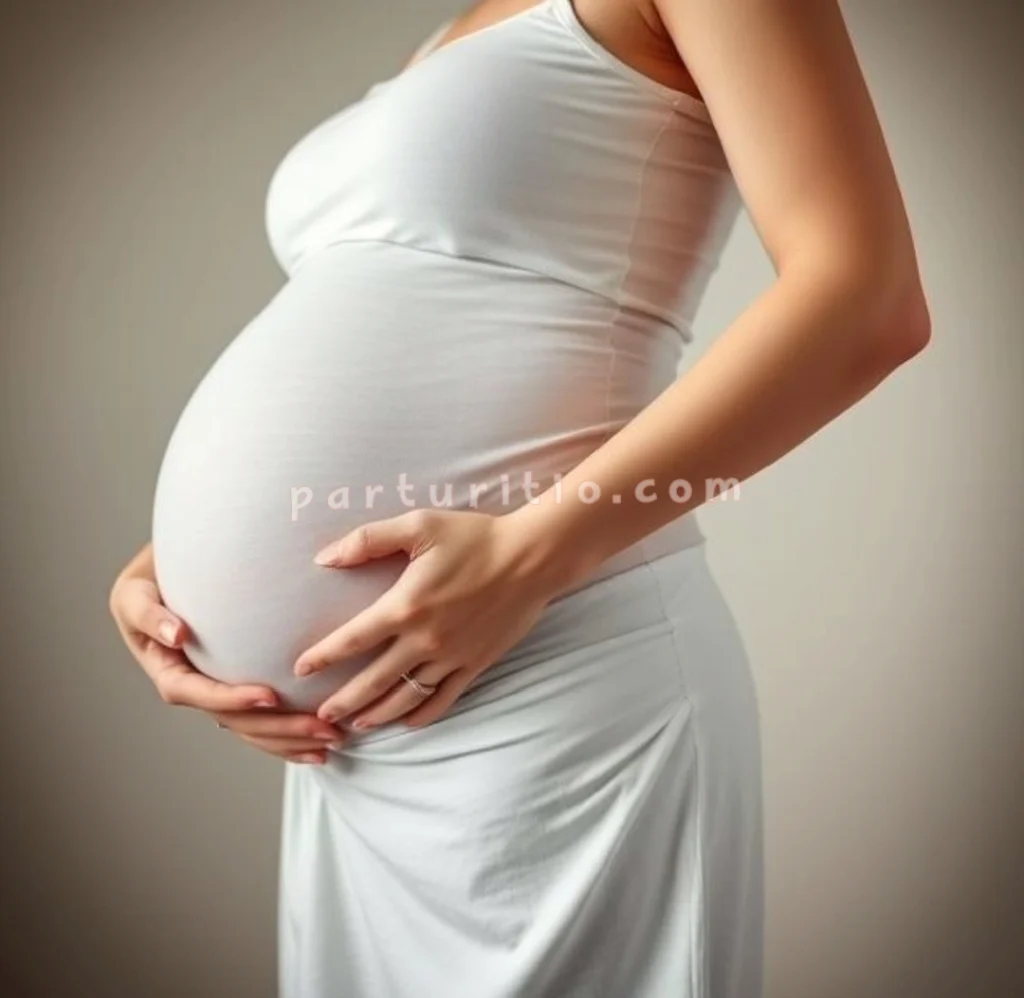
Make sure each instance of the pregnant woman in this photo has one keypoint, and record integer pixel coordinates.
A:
(426, 529)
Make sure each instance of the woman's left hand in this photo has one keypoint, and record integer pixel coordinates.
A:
(472, 589)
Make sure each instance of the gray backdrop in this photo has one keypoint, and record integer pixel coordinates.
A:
(876, 573)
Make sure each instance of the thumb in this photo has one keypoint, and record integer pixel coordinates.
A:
(372, 540)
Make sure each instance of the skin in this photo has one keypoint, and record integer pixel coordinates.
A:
(783, 85)
(154, 636)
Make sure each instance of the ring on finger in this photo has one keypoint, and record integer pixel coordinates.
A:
(423, 689)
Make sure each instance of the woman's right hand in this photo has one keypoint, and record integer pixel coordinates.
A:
(155, 637)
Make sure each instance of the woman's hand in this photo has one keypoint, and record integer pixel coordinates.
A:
(155, 637)
(472, 589)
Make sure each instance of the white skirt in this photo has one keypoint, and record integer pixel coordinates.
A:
(586, 822)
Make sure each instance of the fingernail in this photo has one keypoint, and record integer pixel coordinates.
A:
(335, 745)
(303, 669)
(264, 703)
(168, 630)
(312, 757)
(363, 725)
(326, 556)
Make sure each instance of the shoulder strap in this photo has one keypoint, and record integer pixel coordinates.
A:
(431, 41)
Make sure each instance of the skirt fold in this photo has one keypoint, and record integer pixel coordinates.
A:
(585, 822)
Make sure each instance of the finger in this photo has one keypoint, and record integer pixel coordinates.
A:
(367, 630)
(403, 655)
(448, 691)
(400, 699)
(144, 613)
(288, 746)
(183, 686)
(375, 540)
(316, 757)
(269, 724)
(155, 658)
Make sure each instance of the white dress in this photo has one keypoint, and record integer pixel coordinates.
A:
(493, 262)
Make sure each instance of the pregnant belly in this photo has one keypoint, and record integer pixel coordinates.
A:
(378, 379)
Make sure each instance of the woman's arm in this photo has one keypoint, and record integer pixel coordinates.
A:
(782, 82)
(786, 94)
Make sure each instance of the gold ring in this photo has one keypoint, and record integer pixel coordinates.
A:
(422, 689)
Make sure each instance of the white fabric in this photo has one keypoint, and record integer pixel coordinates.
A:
(493, 262)
(585, 823)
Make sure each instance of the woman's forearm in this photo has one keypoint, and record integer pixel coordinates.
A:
(804, 352)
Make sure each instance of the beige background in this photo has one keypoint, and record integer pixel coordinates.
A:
(876, 572)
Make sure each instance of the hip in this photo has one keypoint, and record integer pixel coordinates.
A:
(609, 663)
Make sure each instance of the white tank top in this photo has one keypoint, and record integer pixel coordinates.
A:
(529, 144)
(494, 259)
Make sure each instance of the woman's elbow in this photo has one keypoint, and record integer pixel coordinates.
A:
(878, 292)
(903, 326)
(885, 292)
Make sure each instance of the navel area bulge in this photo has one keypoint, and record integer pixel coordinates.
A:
(379, 378)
